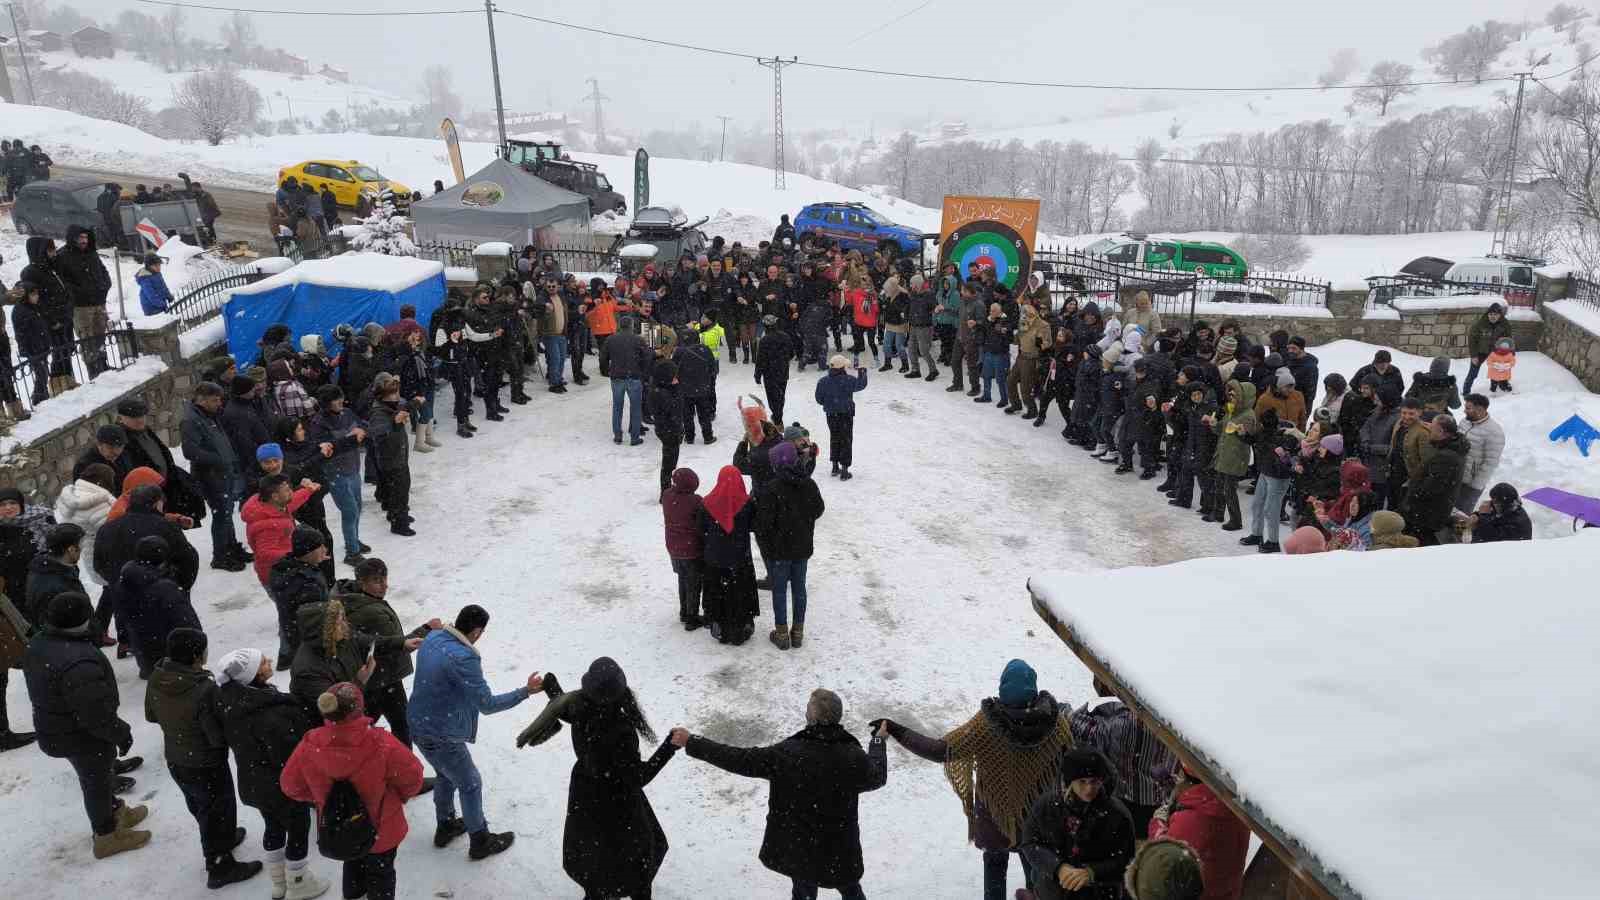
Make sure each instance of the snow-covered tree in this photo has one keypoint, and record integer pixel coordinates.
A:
(384, 231)
(220, 103)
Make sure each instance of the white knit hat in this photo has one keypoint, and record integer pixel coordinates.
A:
(240, 666)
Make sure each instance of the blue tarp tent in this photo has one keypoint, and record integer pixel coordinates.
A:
(317, 295)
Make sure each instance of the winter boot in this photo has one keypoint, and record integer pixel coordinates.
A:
(914, 373)
(402, 528)
(428, 436)
(887, 365)
(844, 473)
(1123, 468)
(835, 472)
(493, 415)
(904, 367)
(15, 740)
(119, 841)
(225, 870)
(486, 843)
(1148, 474)
(463, 430)
(280, 881)
(421, 445)
(1233, 525)
(1269, 547)
(933, 375)
(448, 830)
(122, 784)
(1250, 540)
(303, 885)
(129, 817)
(779, 637)
(952, 389)
(797, 634)
(973, 392)
(1012, 409)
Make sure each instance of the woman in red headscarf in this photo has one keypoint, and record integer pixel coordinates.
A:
(731, 604)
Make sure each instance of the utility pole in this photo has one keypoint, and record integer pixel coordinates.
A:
(776, 64)
(494, 65)
(22, 54)
(1502, 224)
(723, 155)
(599, 116)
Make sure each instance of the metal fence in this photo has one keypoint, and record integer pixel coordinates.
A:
(1383, 290)
(35, 379)
(456, 254)
(1584, 291)
(1175, 295)
(205, 302)
(569, 258)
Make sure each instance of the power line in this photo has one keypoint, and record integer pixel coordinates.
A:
(310, 12)
(630, 37)
(900, 18)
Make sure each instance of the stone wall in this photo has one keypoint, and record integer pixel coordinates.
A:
(1573, 346)
(42, 467)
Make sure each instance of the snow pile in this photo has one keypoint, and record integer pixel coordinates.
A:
(202, 337)
(375, 271)
(1366, 693)
(64, 409)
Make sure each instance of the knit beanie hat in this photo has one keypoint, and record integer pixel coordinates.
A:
(838, 361)
(243, 384)
(240, 666)
(1164, 870)
(69, 610)
(1284, 379)
(341, 701)
(186, 646)
(1334, 443)
(268, 451)
(1018, 684)
(111, 434)
(305, 540)
(1227, 345)
(605, 681)
(783, 456)
(1112, 355)
(1305, 539)
(1505, 344)
(795, 432)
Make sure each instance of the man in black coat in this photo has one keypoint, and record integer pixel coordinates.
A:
(75, 700)
(217, 469)
(116, 543)
(1381, 367)
(55, 306)
(1430, 499)
(1304, 367)
(243, 423)
(1079, 838)
(296, 580)
(697, 383)
(813, 833)
(88, 282)
(106, 205)
(54, 571)
(150, 603)
(773, 355)
(110, 442)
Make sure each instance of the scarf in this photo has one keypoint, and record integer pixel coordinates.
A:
(137, 478)
(1353, 482)
(727, 498)
(983, 765)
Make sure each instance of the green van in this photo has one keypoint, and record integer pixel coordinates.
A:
(1204, 257)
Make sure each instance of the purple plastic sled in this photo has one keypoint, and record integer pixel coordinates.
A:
(1575, 505)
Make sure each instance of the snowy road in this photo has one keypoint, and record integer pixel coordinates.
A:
(917, 602)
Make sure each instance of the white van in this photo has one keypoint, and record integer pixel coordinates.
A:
(1515, 273)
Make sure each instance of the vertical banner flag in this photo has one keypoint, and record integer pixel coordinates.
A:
(641, 180)
(994, 232)
(453, 144)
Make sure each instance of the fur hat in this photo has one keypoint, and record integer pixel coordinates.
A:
(839, 361)
(111, 434)
(1083, 762)
(996, 311)
(1334, 443)
(1165, 870)
(1323, 415)
(243, 384)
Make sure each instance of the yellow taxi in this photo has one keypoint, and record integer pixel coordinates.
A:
(347, 178)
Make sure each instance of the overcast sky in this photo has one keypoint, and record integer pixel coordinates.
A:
(1150, 42)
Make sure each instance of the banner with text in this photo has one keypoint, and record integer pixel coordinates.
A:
(993, 232)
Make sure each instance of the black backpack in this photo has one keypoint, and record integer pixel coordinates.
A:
(345, 830)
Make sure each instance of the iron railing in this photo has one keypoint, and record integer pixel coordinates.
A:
(35, 379)
(451, 254)
(205, 302)
(1175, 295)
(1383, 290)
(1584, 291)
(569, 258)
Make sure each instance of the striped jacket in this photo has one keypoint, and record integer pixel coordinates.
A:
(1143, 764)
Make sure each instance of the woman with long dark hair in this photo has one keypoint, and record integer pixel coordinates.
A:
(613, 844)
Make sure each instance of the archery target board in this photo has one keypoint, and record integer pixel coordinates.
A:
(991, 245)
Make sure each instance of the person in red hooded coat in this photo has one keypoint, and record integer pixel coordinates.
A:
(1197, 817)
(380, 768)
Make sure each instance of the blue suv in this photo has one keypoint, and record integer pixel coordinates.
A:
(856, 226)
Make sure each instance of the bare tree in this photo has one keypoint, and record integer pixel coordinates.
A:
(1563, 14)
(1343, 64)
(239, 34)
(220, 104)
(137, 33)
(1275, 252)
(94, 97)
(1385, 83)
(901, 161)
(173, 48)
(438, 91)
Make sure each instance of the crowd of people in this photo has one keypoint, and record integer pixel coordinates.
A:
(21, 163)
(1092, 802)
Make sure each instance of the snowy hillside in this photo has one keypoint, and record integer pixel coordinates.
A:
(283, 95)
(1199, 118)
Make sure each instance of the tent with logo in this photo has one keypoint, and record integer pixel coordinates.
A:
(501, 202)
(318, 295)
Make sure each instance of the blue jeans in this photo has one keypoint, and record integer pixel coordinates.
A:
(452, 763)
(786, 574)
(894, 344)
(633, 389)
(995, 367)
(346, 493)
(1266, 507)
(555, 358)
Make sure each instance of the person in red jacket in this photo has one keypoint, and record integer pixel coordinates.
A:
(380, 768)
(864, 315)
(1198, 818)
(681, 510)
(269, 519)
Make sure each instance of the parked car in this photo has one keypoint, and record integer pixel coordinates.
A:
(347, 178)
(856, 226)
(1200, 257)
(50, 208)
(669, 231)
(1509, 275)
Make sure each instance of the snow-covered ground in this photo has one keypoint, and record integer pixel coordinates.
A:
(917, 601)
(283, 95)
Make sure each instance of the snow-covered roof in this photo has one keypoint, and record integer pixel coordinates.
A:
(1480, 300)
(1417, 719)
(372, 271)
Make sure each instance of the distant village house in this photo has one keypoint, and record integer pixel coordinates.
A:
(334, 74)
(93, 42)
(47, 41)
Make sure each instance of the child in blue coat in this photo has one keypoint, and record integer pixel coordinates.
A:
(154, 297)
(836, 394)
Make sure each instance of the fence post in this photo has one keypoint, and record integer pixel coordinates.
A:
(122, 303)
